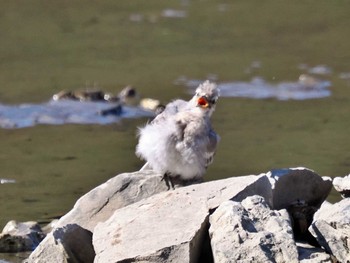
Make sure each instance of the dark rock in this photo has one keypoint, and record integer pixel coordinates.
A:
(301, 191)
(70, 243)
(293, 185)
(116, 110)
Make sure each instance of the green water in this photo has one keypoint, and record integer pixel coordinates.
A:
(47, 46)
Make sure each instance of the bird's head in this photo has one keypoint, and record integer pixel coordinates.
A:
(206, 96)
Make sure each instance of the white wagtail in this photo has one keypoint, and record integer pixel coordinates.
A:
(180, 142)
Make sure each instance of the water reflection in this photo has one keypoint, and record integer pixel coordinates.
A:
(306, 87)
(172, 13)
(318, 69)
(64, 111)
(7, 181)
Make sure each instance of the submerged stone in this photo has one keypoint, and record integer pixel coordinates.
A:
(18, 236)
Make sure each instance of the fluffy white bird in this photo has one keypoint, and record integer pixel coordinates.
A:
(180, 141)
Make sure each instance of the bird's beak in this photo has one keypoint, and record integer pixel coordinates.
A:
(203, 102)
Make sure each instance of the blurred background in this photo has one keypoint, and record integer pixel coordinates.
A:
(164, 49)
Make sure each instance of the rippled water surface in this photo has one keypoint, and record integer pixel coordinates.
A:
(67, 112)
(257, 51)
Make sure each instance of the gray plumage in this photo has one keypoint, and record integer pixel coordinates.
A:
(180, 141)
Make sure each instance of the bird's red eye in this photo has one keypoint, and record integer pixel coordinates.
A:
(202, 101)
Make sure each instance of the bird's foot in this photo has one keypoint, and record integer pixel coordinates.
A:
(168, 181)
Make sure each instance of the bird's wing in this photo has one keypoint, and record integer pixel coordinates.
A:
(214, 138)
(195, 140)
(171, 109)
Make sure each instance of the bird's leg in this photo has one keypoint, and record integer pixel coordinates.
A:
(171, 182)
(168, 181)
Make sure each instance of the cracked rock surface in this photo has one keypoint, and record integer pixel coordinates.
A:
(251, 232)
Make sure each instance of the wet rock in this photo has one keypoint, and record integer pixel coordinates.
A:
(64, 95)
(116, 110)
(129, 96)
(251, 232)
(82, 95)
(18, 237)
(89, 95)
(152, 105)
(86, 106)
(101, 202)
(332, 229)
(342, 185)
(170, 226)
(70, 243)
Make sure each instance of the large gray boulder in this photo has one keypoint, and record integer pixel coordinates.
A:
(97, 206)
(170, 226)
(20, 236)
(101, 202)
(251, 232)
(133, 216)
(332, 229)
(70, 243)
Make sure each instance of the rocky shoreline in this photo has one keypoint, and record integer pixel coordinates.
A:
(279, 216)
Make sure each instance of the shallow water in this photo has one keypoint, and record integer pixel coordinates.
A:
(50, 46)
(258, 88)
(66, 112)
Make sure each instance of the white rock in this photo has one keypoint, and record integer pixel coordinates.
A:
(170, 226)
(324, 207)
(251, 232)
(332, 229)
(101, 202)
(342, 185)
